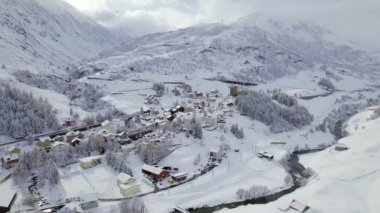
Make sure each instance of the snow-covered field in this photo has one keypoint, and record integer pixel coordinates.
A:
(347, 181)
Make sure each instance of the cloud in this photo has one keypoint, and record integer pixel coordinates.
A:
(351, 19)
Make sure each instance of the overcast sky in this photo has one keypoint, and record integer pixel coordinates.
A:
(354, 20)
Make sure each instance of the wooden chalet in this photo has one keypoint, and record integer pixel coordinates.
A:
(155, 172)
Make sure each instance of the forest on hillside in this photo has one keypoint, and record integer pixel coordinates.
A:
(21, 114)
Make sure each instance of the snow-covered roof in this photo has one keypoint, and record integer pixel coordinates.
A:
(126, 186)
(341, 145)
(12, 148)
(91, 158)
(10, 157)
(151, 169)
(266, 154)
(123, 177)
(77, 139)
(296, 205)
(58, 143)
(128, 146)
(106, 122)
(179, 174)
(47, 138)
(6, 196)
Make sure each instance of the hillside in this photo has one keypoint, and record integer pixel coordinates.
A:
(44, 36)
(343, 177)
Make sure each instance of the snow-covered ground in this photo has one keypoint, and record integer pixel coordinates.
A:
(347, 181)
(240, 169)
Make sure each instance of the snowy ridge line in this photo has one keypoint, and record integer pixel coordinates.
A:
(59, 132)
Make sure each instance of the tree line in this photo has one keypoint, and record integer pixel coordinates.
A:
(277, 110)
(21, 114)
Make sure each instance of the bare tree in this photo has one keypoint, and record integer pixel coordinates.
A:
(134, 205)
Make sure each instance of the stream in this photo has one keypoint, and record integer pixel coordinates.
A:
(296, 171)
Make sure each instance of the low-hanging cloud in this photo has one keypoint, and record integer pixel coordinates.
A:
(352, 20)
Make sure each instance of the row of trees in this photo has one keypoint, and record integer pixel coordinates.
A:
(134, 205)
(262, 107)
(254, 191)
(326, 84)
(117, 162)
(284, 99)
(159, 88)
(22, 114)
(35, 162)
(335, 119)
(85, 95)
(238, 132)
(152, 153)
(194, 129)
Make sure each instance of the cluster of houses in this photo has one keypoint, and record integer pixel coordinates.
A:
(209, 109)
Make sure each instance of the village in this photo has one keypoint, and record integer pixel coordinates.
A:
(105, 170)
(178, 140)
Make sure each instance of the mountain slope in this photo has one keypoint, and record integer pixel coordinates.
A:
(45, 35)
(254, 48)
(344, 177)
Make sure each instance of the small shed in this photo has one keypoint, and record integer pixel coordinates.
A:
(340, 147)
(179, 176)
(265, 155)
(298, 206)
(234, 91)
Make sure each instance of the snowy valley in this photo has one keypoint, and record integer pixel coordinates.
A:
(257, 115)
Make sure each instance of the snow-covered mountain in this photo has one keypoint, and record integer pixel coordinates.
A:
(254, 48)
(46, 35)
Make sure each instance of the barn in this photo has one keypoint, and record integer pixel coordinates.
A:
(154, 172)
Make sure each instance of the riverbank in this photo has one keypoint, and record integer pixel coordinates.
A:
(296, 171)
